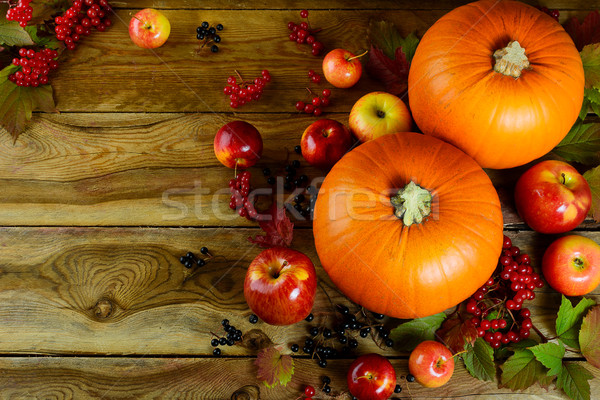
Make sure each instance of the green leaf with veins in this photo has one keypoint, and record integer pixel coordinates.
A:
(550, 355)
(522, 370)
(11, 34)
(408, 335)
(573, 379)
(479, 360)
(569, 320)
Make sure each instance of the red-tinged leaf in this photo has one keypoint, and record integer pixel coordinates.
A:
(279, 230)
(592, 177)
(590, 57)
(585, 32)
(392, 73)
(589, 336)
(455, 333)
(385, 36)
(274, 368)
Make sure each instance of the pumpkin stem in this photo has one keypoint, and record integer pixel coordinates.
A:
(412, 203)
(511, 60)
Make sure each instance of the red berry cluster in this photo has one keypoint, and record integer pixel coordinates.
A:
(243, 92)
(317, 103)
(553, 13)
(301, 33)
(79, 19)
(35, 67)
(505, 294)
(316, 78)
(21, 13)
(240, 200)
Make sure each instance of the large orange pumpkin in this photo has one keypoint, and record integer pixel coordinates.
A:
(499, 79)
(407, 225)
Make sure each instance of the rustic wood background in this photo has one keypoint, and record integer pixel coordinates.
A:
(99, 202)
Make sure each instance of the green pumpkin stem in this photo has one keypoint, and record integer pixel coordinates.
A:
(412, 203)
(511, 60)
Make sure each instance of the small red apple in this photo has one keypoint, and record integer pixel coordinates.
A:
(149, 28)
(552, 197)
(431, 363)
(377, 114)
(571, 265)
(238, 143)
(371, 377)
(341, 68)
(280, 286)
(324, 142)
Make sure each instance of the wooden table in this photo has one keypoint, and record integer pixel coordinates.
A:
(99, 202)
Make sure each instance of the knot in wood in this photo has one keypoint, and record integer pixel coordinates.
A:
(103, 308)
(248, 392)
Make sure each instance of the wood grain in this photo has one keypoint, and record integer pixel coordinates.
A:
(169, 378)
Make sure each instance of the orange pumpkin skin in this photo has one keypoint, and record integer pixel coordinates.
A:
(499, 120)
(398, 270)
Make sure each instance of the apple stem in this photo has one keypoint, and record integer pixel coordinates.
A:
(563, 179)
(358, 56)
(235, 169)
(365, 377)
(459, 353)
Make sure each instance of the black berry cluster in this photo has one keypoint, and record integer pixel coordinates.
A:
(233, 335)
(21, 12)
(190, 260)
(209, 35)
(78, 20)
(309, 391)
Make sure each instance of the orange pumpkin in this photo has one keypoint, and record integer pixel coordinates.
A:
(501, 80)
(407, 225)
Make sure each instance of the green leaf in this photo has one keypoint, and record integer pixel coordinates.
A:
(590, 56)
(43, 38)
(385, 35)
(479, 360)
(522, 370)
(569, 320)
(409, 334)
(550, 355)
(582, 144)
(11, 34)
(592, 177)
(589, 336)
(274, 368)
(573, 379)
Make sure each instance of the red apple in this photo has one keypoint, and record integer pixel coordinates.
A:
(280, 286)
(552, 197)
(377, 114)
(238, 143)
(571, 265)
(341, 68)
(371, 377)
(324, 142)
(149, 28)
(431, 363)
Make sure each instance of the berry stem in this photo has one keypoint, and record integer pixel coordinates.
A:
(358, 56)
(239, 76)
(540, 334)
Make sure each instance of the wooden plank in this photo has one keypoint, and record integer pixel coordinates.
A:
(168, 378)
(123, 291)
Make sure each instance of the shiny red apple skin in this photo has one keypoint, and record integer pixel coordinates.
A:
(552, 197)
(280, 286)
(324, 142)
(377, 114)
(340, 72)
(431, 363)
(238, 142)
(149, 28)
(571, 265)
(371, 377)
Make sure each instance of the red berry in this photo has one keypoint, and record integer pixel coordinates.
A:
(326, 92)
(316, 78)
(308, 108)
(299, 106)
(309, 391)
(291, 25)
(316, 101)
(507, 244)
(317, 111)
(311, 73)
(304, 14)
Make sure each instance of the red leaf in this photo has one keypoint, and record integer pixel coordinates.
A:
(274, 368)
(455, 333)
(392, 73)
(278, 228)
(586, 32)
(589, 336)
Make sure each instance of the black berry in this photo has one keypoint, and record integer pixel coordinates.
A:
(410, 378)
(214, 342)
(326, 380)
(398, 389)
(219, 27)
(323, 364)
(271, 180)
(205, 25)
(204, 250)
(295, 348)
(326, 388)
(309, 318)
(253, 319)
(214, 48)
(314, 331)
(298, 149)
(217, 352)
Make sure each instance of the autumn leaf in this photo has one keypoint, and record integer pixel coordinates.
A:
(11, 34)
(385, 36)
(408, 335)
(43, 38)
(589, 336)
(592, 177)
(279, 230)
(479, 360)
(274, 368)
(456, 333)
(590, 56)
(393, 73)
(43, 10)
(568, 321)
(550, 355)
(585, 32)
(582, 144)
(573, 379)
(522, 370)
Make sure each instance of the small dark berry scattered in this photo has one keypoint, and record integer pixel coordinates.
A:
(326, 388)
(214, 342)
(201, 263)
(343, 339)
(295, 348)
(271, 180)
(363, 333)
(410, 378)
(378, 316)
(212, 30)
(314, 331)
(205, 25)
(253, 319)
(188, 264)
(200, 36)
(225, 322)
(223, 341)
(217, 39)
(323, 364)
(309, 342)
(298, 149)
(309, 318)
(266, 171)
(327, 333)
(389, 342)
(214, 48)
(204, 250)
(219, 27)
(217, 352)
(296, 164)
(326, 380)
(398, 389)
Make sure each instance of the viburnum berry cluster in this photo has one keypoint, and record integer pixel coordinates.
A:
(497, 307)
(317, 103)
(302, 33)
(78, 20)
(21, 12)
(35, 67)
(240, 196)
(241, 92)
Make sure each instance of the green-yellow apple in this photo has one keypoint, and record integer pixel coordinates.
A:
(377, 114)
(149, 28)
(341, 68)
(431, 363)
(571, 265)
(238, 143)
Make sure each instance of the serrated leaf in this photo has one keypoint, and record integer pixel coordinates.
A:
(409, 334)
(569, 320)
(274, 368)
(385, 35)
(43, 38)
(589, 336)
(582, 144)
(11, 34)
(522, 370)
(590, 56)
(550, 355)
(479, 360)
(456, 332)
(585, 32)
(279, 230)
(573, 379)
